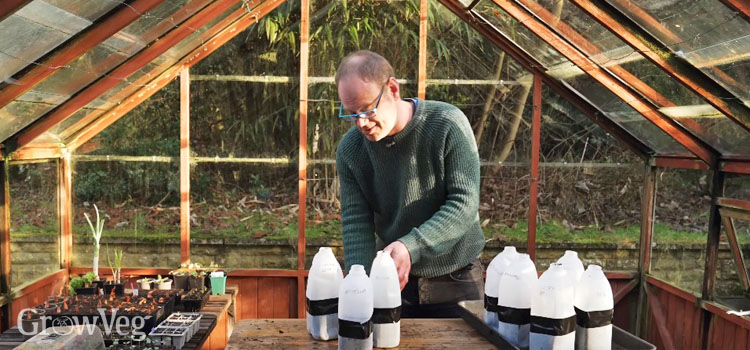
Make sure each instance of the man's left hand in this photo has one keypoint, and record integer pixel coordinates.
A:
(402, 258)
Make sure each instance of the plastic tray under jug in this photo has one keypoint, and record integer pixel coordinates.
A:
(472, 311)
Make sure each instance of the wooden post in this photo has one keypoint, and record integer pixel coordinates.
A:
(65, 210)
(714, 233)
(648, 205)
(5, 322)
(712, 252)
(422, 75)
(304, 56)
(185, 166)
(536, 127)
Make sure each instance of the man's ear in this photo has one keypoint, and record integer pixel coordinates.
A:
(394, 88)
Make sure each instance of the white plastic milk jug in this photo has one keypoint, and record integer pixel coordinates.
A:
(355, 310)
(572, 264)
(494, 273)
(515, 289)
(323, 295)
(594, 306)
(386, 317)
(553, 318)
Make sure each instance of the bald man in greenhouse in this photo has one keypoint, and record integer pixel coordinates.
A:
(409, 174)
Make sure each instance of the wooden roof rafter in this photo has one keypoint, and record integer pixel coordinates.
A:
(222, 32)
(625, 92)
(122, 71)
(101, 30)
(660, 55)
(529, 63)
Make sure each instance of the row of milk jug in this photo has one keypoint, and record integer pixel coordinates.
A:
(360, 311)
(565, 308)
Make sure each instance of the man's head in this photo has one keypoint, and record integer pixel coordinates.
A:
(365, 82)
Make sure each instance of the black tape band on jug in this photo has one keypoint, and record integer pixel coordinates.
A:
(593, 319)
(391, 315)
(512, 315)
(553, 326)
(355, 330)
(322, 307)
(490, 303)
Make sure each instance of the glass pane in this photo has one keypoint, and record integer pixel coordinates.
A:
(53, 17)
(75, 118)
(737, 186)
(609, 51)
(139, 196)
(18, 114)
(337, 29)
(198, 37)
(160, 19)
(114, 96)
(569, 136)
(84, 8)
(343, 28)
(261, 56)
(680, 225)
(535, 46)
(22, 42)
(244, 215)
(139, 202)
(82, 71)
(705, 32)
(728, 283)
(563, 69)
(34, 227)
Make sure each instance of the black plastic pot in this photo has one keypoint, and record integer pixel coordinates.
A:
(180, 282)
(86, 290)
(196, 282)
(118, 287)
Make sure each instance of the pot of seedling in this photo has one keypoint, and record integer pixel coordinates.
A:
(31, 322)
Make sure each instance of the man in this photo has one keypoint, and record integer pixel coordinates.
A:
(409, 174)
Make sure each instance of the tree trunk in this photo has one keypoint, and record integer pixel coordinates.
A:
(490, 100)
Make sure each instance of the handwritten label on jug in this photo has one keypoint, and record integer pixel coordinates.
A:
(355, 291)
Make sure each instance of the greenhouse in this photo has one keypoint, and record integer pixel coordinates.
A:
(184, 163)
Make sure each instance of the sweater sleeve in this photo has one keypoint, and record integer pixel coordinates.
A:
(460, 210)
(357, 219)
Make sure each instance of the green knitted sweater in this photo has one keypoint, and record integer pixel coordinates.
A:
(420, 186)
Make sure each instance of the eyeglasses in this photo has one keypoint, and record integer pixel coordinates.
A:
(364, 115)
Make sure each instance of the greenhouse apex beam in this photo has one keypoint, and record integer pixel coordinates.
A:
(101, 30)
(124, 70)
(695, 145)
(660, 55)
(500, 40)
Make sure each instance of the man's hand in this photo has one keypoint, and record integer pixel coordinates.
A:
(402, 258)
